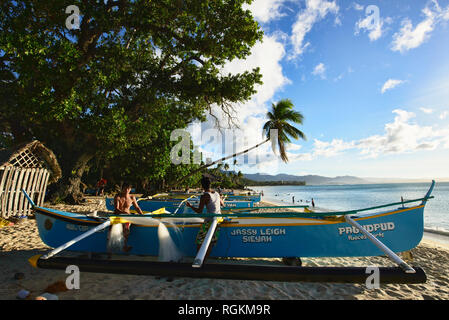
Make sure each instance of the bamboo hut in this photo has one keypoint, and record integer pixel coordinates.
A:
(31, 167)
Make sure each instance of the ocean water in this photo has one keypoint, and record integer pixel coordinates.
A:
(350, 197)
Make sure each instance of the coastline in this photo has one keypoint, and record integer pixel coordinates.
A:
(436, 239)
(266, 203)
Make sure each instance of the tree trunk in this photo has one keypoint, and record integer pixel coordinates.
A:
(220, 160)
(68, 187)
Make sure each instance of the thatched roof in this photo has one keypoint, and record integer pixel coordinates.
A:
(32, 155)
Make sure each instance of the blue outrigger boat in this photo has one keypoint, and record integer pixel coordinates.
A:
(363, 232)
(254, 197)
(177, 205)
(250, 197)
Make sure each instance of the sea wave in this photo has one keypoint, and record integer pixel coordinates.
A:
(437, 230)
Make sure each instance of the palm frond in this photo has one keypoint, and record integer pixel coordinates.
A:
(266, 129)
(294, 132)
(282, 151)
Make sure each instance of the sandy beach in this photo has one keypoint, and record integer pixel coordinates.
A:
(21, 241)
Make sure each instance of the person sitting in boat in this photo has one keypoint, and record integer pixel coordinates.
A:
(122, 203)
(213, 202)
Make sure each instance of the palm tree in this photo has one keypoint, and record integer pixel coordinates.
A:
(279, 118)
(281, 114)
(218, 168)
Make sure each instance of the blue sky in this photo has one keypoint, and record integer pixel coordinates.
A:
(373, 89)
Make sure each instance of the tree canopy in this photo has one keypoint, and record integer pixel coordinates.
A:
(120, 83)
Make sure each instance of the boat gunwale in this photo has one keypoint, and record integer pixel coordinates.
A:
(80, 219)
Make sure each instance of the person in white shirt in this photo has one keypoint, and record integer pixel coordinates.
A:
(213, 202)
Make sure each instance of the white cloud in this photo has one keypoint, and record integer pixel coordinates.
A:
(410, 37)
(265, 10)
(300, 156)
(337, 21)
(266, 55)
(375, 30)
(339, 77)
(320, 70)
(376, 33)
(400, 137)
(315, 10)
(329, 149)
(294, 147)
(426, 110)
(343, 74)
(445, 14)
(390, 84)
(357, 6)
(403, 116)
(250, 116)
(444, 115)
(373, 23)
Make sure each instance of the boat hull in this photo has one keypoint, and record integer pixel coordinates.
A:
(232, 197)
(254, 198)
(400, 230)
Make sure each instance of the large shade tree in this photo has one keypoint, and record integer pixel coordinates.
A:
(132, 72)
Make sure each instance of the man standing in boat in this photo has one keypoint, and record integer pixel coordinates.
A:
(122, 203)
(213, 202)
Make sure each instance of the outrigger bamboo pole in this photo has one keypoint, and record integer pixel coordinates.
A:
(75, 240)
(198, 261)
(393, 256)
(182, 203)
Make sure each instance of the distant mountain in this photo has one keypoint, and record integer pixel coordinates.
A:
(309, 179)
(403, 180)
